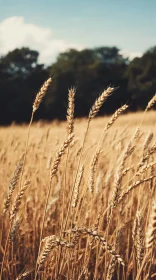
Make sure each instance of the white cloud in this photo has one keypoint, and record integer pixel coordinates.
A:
(16, 33)
(131, 55)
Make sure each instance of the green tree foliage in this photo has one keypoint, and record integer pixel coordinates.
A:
(141, 74)
(89, 70)
(20, 78)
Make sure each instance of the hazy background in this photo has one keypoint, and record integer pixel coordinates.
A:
(88, 44)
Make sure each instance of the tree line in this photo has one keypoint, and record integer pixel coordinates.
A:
(89, 70)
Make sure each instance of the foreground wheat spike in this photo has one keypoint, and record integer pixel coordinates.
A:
(70, 110)
(92, 170)
(138, 237)
(134, 185)
(102, 240)
(151, 103)
(50, 243)
(147, 142)
(77, 186)
(18, 200)
(146, 155)
(151, 230)
(59, 154)
(14, 229)
(41, 94)
(115, 116)
(99, 102)
(24, 274)
(145, 168)
(12, 185)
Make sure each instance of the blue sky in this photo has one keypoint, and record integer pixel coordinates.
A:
(127, 24)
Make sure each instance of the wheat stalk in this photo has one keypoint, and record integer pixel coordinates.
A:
(112, 263)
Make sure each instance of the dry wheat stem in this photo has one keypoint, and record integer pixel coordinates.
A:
(94, 110)
(54, 170)
(112, 263)
(118, 179)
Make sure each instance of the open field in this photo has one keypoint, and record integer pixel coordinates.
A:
(100, 218)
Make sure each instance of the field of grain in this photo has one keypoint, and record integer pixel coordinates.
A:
(78, 199)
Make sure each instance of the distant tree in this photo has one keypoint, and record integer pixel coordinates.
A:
(141, 74)
(90, 70)
(20, 78)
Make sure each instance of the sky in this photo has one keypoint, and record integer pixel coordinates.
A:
(53, 26)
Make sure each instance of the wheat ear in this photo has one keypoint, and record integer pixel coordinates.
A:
(134, 185)
(151, 230)
(18, 200)
(99, 102)
(92, 170)
(151, 103)
(12, 185)
(138, 237)
(97, 237)
(41, 94)
(77, 186)
(50, 243)
(59, 154)
(70, 111)
(115, 116)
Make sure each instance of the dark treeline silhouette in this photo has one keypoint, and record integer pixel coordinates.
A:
(89, 70)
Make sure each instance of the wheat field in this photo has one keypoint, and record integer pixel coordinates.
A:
(78, 198)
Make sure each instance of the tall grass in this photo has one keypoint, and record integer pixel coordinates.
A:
(81, 201)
